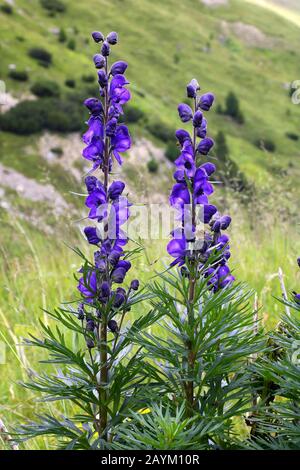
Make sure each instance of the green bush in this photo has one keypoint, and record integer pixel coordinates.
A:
(8, 9)
(71, 44)
(132, 114)
(62, 37)
(19, 75)
(172, 151)
(152, 166)
(266, 144)
(88, 78)
(29, 117)
(160, 130)
(70, 83)
(40, 54)
(232, 108)
(53, 6)
(292, 136)
(45, 88)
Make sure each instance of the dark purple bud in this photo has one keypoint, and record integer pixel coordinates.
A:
(113, 326)
(105, 49)
(210, 168)
(116, 189)
(99, 61)
(112, 38)
(94, 105)
(197, 119)
(182, 136)
(205, 146)
(80, 311)
(192, 88)
(119, 299)
(102, 78)
(298, 261)
(185, 112)
(114, 257)
(118, 275)
(206, 101)
(90, 343)
(91, 235)
(134, 284)
(105, 290)
(202, 130)
(90, 325)
(225, 221)
(97, 36)
(118, 68)
(208, 211)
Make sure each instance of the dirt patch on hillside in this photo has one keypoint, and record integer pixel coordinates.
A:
(64, 150)
(32, 190)
(250, 35)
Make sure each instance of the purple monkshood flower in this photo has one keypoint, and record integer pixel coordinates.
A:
(206, 101)
(99, 61)
(185, 112)
(205, 146)
(105, 49)
(87, 286)
(118, 68)
(192, 88)
(120, 142)
(112, 38)
(97, 36)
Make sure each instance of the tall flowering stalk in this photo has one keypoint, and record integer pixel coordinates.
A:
(200, 233)
(105, 140)
(101, 373)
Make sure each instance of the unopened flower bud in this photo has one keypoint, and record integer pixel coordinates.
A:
(80, 311)
(97, 36)
(90, 325)
(134, 284)
(99, 61)
(112, 38)
(90, 343)
(113, 326)
(105, 49)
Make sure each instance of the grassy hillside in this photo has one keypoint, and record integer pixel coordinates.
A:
(238, 47)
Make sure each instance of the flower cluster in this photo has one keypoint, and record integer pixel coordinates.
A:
(200, 233)
(105, 140)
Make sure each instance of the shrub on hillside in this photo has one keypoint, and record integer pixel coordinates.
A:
(29, 117)
(70, 83)
(71, 44)
(53, 6)
(8, 9)
(292, 136)
(152, 166)
(266, 144)
(40, 54)
(160, 130)
(62, 37)
(45, 88)
(88, 78)
(19, 75)
(132, 114)
(232, 108)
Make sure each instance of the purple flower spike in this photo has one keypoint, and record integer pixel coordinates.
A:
(185, 112)
(205, 146)
(206, 101)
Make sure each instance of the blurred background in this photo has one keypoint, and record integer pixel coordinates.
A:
(245, 52)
